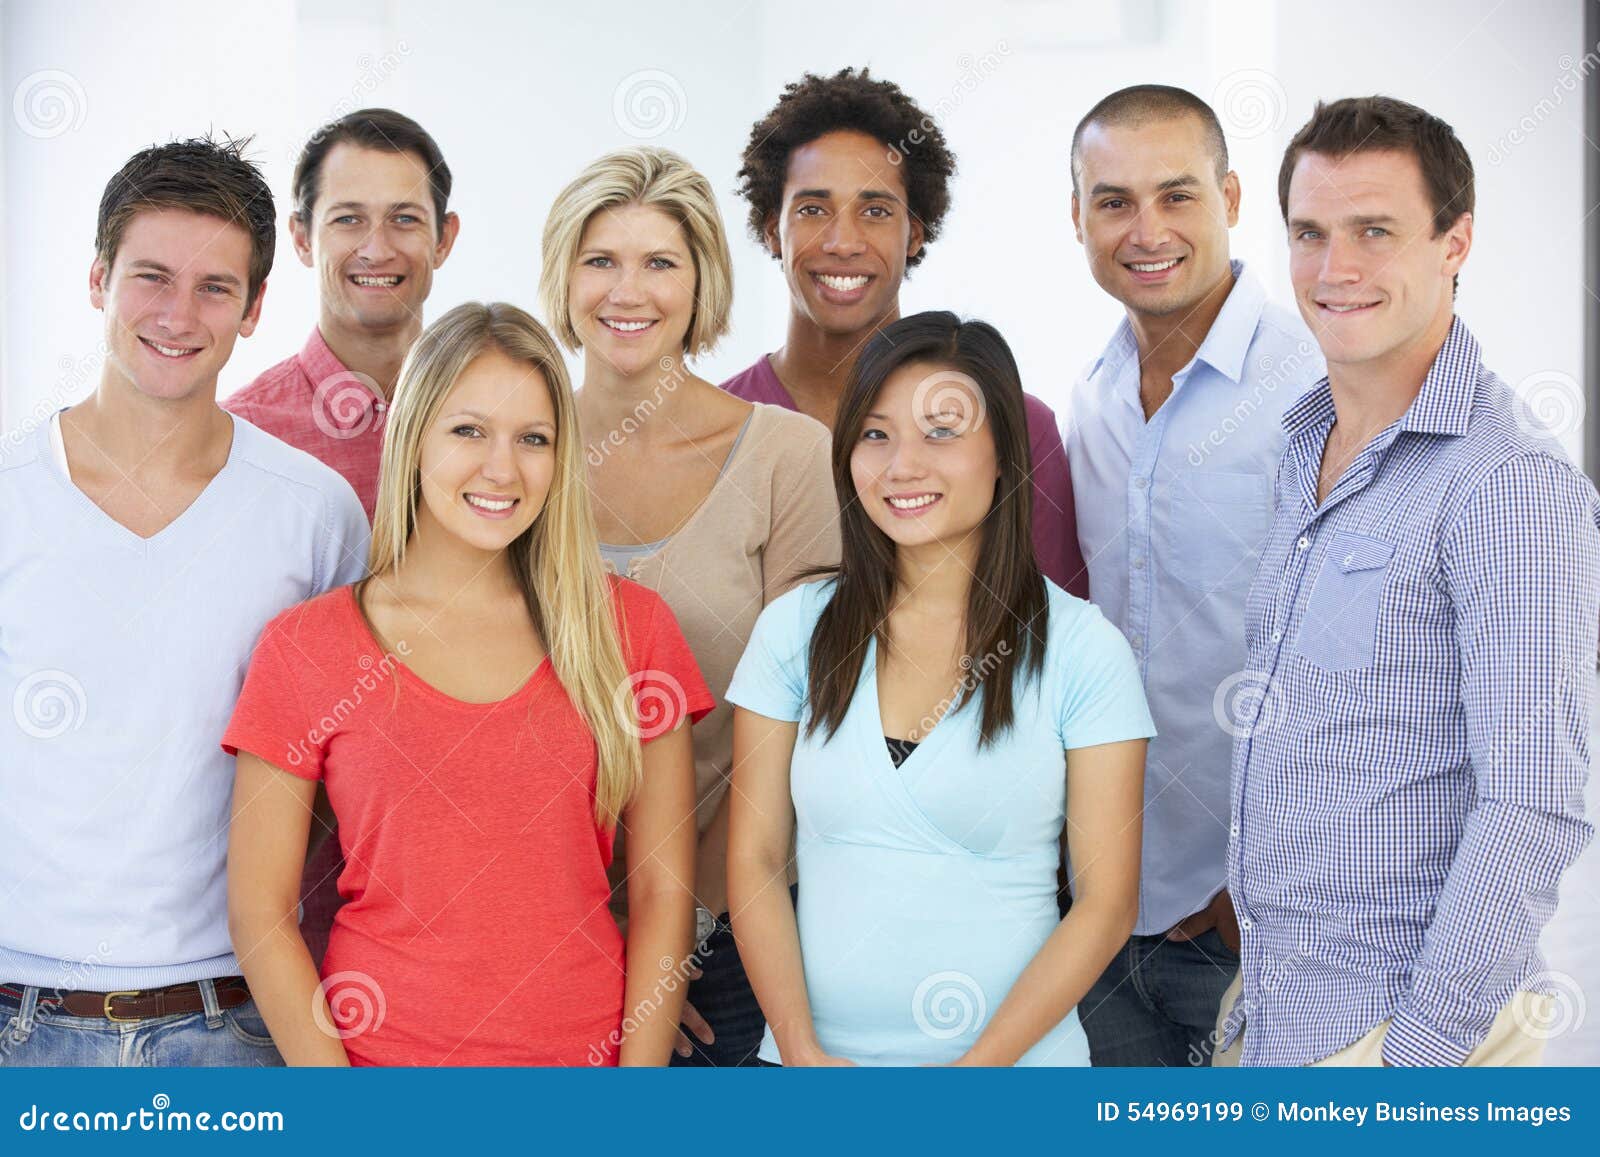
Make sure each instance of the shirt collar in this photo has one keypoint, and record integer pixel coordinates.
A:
(1442, 406)
(322, 366)
(1228, 340)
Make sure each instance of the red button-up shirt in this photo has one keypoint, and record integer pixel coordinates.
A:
(312, 402)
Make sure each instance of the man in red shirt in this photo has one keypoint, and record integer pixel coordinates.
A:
(370, 216)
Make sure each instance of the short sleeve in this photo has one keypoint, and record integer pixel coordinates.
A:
(349, 537)
(268, 720)
(771, 676)
(1101, 694)
(667, 685)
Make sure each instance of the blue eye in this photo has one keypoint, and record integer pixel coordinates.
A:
(465, 431)
(537, 439)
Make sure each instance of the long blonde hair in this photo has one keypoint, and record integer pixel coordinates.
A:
(556, 561)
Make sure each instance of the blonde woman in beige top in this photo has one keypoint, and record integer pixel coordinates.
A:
(717, 504)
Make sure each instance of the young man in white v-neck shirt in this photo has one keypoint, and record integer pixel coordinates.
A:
(148, 537)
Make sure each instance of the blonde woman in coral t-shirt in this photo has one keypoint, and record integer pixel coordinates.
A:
(484, 709)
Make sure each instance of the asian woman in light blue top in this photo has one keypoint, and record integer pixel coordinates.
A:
(923, 723)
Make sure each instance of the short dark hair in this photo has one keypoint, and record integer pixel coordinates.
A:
(814, 106)
(200, 175)
(1138, 103)
(1365, 124)
(371, 128)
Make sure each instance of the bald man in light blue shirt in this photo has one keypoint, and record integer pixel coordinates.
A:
(1174, 436)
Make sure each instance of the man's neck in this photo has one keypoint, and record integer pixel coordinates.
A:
(377, 354)
(814, 365)
(1168, 342)
(121, 431)
(1369, 395)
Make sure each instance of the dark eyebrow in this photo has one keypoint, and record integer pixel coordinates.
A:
(408, 206)
(827, 195)
(157, 267)
(1360, 221)
(1182, 181)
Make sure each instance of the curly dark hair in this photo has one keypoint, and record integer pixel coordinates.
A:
(814, 106)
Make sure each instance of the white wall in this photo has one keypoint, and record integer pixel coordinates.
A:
(520, 98)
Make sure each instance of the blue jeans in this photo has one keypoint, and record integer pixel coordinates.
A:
(43, 1036)
(1157, 1002)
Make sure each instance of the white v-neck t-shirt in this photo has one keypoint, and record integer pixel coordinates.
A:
(121, 658)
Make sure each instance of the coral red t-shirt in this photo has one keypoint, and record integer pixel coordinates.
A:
(476, 929)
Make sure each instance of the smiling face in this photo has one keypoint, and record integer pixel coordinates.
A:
(1151, 213)
(174, 301)
(844, 232)
(924, 465)
(374, 238)
(488, 458)
(631, 296)
(1371, 279)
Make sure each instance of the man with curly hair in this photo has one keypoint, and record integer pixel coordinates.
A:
(848, 180)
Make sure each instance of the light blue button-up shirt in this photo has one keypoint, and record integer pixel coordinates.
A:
(1171, 516)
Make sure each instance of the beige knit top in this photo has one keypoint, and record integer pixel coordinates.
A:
(771, 514)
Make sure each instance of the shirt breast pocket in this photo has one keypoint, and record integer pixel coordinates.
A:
(1340, 629)
(1218, 523)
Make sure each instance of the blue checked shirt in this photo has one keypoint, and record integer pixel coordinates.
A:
(1410, 762)
(1171, 515)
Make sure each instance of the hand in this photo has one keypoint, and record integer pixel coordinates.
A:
(693, 1021)
(1218, 914)
(811, 1056)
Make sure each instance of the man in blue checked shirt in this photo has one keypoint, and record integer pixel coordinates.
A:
(1422, 628)
(1174, 442)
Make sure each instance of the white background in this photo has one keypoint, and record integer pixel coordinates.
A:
(520, 97)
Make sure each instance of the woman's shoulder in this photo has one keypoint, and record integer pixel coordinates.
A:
(799, 607)
(1076, 622)
(329, 613)
(784, 436)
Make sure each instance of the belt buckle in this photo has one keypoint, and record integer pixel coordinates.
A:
(105, 1006)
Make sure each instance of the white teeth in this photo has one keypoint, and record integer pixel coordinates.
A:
(629, 326)
(487, 504)
(844, 284)
(913, 503)
(378, 282)
(1345, 308)
(1153, 266)
(170, 351)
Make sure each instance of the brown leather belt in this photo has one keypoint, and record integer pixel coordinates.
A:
(139, 1004)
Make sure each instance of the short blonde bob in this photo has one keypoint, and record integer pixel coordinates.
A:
(641, 176)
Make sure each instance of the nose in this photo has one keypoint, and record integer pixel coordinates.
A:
(375, 247)
(906, 464)
(176, 309)
(1339, 262)
(1150, 230)
(626, 290)
(843, 238)
(499, 462)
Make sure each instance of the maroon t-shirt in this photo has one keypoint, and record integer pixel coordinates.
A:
(1055, 520)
